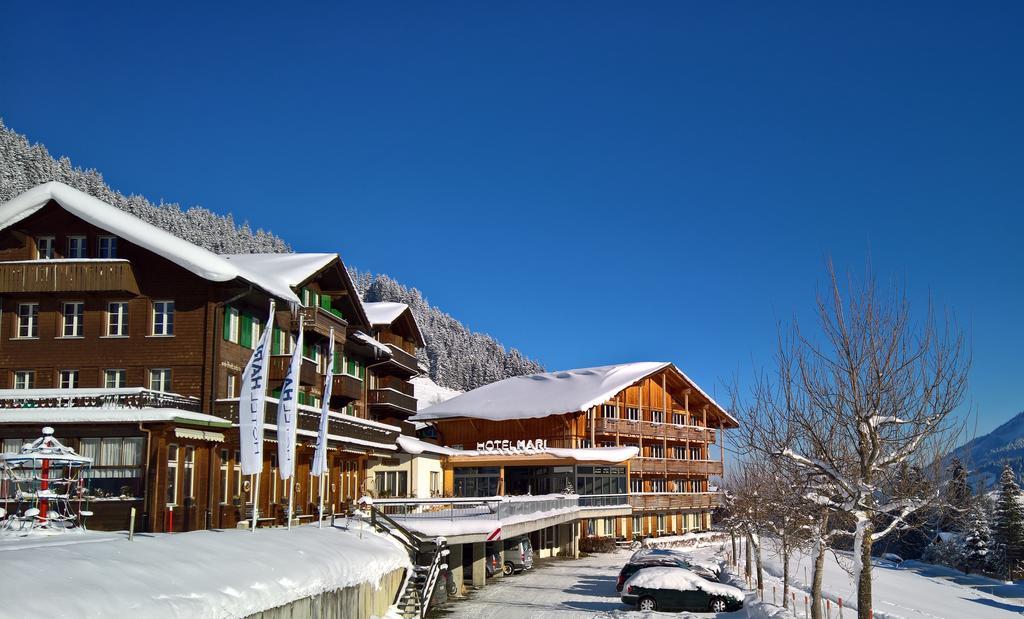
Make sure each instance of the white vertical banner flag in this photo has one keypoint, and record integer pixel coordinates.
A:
(252, 401)
(320, 457)
(288, 411)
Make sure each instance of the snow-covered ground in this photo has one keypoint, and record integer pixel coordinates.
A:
(429, 393)
(566, 589)
(214, 574)
(912, 591)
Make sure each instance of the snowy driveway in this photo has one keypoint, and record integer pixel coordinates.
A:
(555, 589)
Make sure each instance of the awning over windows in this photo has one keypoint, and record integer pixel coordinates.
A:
(199, 435)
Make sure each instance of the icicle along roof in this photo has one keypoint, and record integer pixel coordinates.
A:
(553, 393)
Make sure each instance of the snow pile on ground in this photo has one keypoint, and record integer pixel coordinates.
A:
(686, 540)
(202, 574)
(681, 580)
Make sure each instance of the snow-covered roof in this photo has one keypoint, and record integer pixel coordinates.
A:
(549, 393)
(107, 415)
(384, 312)
(540, 395)
(279, 273)
(202, 262)
(415, 446)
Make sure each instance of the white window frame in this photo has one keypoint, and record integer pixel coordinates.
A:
(633, 413)
(232, 385)
(225, 476)
(119, 374)
(68, 379)
(188, 472)
(111, 249)
(44, 247)
(160, 380)
(254, 332)
(77, 323)
(163, 308)
(24, 379)
(82, 246)
(118, 319)
(234, 323)
(172, 478)
(28, 321)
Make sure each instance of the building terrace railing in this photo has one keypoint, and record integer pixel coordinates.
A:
(338, 425)
(682, 467)
(653, 429)
(485, 508)
(128, 397)
(641, 501)
(68, 276)
(603, 500)
(347, 387)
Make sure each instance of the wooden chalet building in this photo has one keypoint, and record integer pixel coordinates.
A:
(130, 341)
(544, 433)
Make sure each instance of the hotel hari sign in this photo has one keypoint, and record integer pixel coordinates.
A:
(513, 447)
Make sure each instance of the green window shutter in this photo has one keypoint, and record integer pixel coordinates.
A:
(362, 369)
(325, 302)
(227, 322)
(276, 393)
(245, 337)
(336, 367)
(351, 367)
(275, 342)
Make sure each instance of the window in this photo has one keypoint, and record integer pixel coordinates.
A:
(44, 248)
(172, 474)
(633, 413)
(107, 247)
(163, 318)
(657, 416)
(679, 453)
(225, 475)
(584, 443)
(231, 324)
(114, 379)
(117, 465)
(392, 483)
(24, 379)
(254, 332)
(591, 527)
(69, 379)
(76, 247)
(656, 451)
(73, 314)
(160, 380)
(435, 483)
(117, 319)
(658, 485)
(638, 525)
(188, 470)
(232, 385)
(610, 411)
(679, 419)
(636, 485)
(238, 476)
(661, 523)
(28, 320)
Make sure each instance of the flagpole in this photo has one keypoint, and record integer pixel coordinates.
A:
(255, 500)
(291, 500)
(320, 514)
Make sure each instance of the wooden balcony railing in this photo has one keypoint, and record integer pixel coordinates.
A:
(307, 370)
(320, 321)
(674, 500)
(393, 399)
(347, 388)
(341, 426)
(399, 385)
(679, 467)
(653, 430)
(404, 359)
(68, 276)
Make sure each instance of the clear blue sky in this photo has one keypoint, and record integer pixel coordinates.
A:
(589, 182)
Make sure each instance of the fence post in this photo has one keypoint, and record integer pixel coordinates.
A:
(805, 607)
(773, 594)
(828, 609)
(840, 608)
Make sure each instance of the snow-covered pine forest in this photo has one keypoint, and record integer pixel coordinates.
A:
(457, 357)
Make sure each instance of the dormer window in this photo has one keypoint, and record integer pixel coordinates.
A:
(107, 247)
(76, 247)
(44, 247)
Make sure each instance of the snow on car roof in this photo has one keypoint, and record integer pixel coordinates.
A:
(680, 579)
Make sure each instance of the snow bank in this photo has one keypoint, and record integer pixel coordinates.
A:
(681, 580)
(686, 540)
(428, 392)
(202, 574)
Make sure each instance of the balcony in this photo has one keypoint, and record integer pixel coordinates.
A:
(319, 321)
(392, 399)
(660, 466)
(346, 388)
(652, 429)
(339, 427)
(307, 370)
(401, 362)
(662, 501)
(68, 276)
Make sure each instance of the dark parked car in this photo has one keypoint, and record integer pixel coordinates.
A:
(674, 588)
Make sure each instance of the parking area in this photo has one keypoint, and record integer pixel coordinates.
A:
(554, 589)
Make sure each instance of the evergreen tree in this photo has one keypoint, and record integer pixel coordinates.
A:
(1009, 524)
(958, 498)
(977, 548)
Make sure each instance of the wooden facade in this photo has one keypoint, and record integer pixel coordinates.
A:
(118, 337)
(677, 430)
